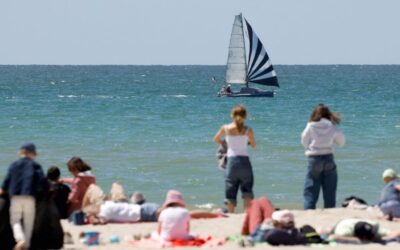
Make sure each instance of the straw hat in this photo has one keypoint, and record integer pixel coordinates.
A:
(174, 196)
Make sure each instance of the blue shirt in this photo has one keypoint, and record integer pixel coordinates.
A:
(24, 177)
(389, 192)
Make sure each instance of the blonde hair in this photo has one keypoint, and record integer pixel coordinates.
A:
(239, 115)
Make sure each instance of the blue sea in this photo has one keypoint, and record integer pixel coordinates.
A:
(151, 127)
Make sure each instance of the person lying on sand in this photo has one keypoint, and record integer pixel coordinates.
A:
(114, 207)
(361, 231)
(280, 230)
(101, 209)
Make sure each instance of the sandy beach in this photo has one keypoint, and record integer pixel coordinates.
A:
(224, 227)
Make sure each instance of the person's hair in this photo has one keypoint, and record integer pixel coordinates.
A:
(174, 204)
(76, 163)
(322, 111)
(278, 224)
(53, 173)
(239, 115)
(364, 231)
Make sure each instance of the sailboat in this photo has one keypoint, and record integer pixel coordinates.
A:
(253, 67)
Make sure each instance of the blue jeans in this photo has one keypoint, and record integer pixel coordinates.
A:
(238, 174)
(321, 173)
(391, 208)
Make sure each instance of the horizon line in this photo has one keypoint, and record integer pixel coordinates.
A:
(172, 65)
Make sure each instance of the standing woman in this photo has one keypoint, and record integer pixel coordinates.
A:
(238, 173)
(318, 138)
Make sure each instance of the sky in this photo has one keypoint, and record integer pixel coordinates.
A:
(178, 32)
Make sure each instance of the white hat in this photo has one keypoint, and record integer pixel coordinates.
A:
(389, 173)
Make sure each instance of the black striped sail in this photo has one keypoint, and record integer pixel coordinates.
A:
(259, 66)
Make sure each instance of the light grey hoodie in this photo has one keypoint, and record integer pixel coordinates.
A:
(318, 137)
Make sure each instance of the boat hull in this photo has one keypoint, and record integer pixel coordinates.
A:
(248, 92)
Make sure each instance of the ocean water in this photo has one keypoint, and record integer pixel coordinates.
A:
(151, 127)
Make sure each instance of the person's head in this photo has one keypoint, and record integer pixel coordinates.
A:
(174, 199)
(364, 231)
(138, 198)
(389, 175)
(76, 165)
(283, 219)
(322, 111)
(53, 173)
(28, 150)
(239, 115)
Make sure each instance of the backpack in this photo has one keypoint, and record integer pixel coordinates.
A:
(311, 235)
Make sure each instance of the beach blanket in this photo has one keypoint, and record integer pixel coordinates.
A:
(196, 242)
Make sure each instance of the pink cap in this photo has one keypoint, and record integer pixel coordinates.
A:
(283, 216)
(174, 196)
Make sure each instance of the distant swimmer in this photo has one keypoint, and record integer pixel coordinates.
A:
(213, 79)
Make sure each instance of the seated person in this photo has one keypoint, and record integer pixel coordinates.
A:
(361, 230)
(228, 89)
(82, 179)
(174, 220)
(116, 209)
(389, 203)
(59, 191)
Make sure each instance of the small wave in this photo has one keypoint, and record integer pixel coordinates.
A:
(53, 83)
(205, 206)
(104, 96)
(67, 96)
(180, 96)
(397, 126)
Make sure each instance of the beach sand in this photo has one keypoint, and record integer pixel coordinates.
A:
(223, 227)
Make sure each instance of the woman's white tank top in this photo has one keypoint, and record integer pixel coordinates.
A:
(237, 144)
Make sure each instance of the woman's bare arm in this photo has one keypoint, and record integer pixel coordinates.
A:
(218, 135)
(252, 139)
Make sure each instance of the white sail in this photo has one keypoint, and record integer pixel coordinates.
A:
(236, 72)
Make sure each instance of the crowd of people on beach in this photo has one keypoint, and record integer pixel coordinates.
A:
(80, 200)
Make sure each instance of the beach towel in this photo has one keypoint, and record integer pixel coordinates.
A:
(7, 241)
(258, 211)
(196, 242)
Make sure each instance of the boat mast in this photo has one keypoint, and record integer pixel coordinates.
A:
(245, 61)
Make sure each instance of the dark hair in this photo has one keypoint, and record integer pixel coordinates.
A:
(364, 231)
(239, 114)
(322, 111)
(76, 163)
(53, 173)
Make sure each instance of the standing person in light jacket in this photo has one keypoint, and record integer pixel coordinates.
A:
(23, 181)
(318, 138)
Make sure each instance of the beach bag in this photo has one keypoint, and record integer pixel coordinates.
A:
(77, 218)
(222, 155)
(311, 235)
(47, 232)
(286, 237)
(7, 241)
